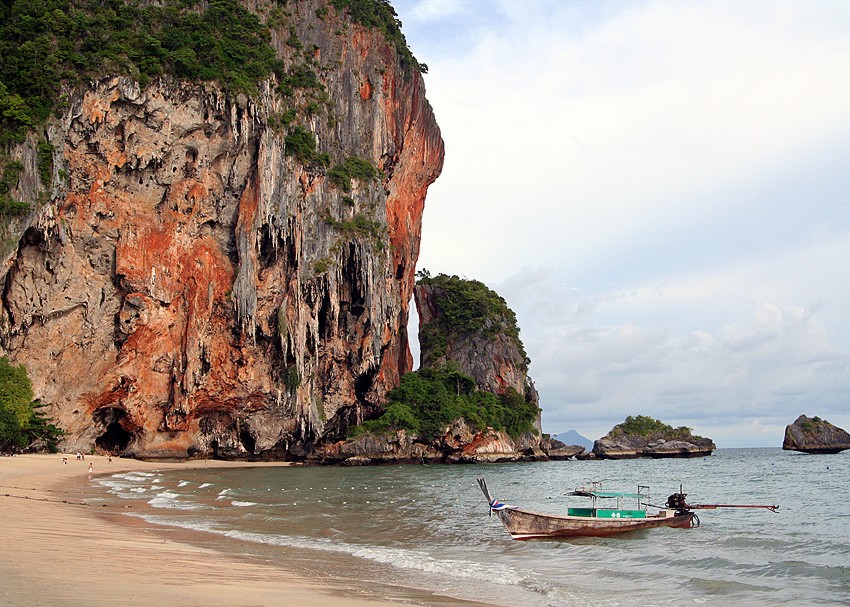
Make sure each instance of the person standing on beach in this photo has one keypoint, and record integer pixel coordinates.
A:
(91, 467)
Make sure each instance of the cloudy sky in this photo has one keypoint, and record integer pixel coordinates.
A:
(661, 192)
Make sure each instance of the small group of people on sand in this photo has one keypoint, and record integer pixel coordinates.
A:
(82, 457)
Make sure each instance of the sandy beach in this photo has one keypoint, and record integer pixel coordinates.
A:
(57, 551)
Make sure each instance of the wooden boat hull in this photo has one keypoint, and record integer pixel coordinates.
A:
(527, 525)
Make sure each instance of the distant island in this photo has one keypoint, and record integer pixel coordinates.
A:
(815, 435)
(572, 437)
(644, 436)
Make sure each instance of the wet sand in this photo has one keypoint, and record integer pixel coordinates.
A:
(57, 551)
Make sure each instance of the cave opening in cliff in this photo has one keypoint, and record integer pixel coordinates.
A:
(362, 385)
(247, 440)
(268, 247)
(115, 438)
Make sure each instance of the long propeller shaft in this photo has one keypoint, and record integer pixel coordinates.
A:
(713, 506)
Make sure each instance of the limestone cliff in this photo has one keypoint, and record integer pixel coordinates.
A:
(198, 283)
(815, 435)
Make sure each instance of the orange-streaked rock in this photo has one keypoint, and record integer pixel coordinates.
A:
(186, 293)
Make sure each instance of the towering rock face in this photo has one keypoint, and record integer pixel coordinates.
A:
(197, 285)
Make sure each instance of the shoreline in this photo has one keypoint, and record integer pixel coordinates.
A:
(61, 552)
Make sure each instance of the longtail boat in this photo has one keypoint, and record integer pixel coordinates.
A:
(599, 521)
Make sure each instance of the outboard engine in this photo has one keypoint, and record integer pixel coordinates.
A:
(677, 502)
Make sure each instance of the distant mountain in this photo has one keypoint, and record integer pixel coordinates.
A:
(571, 437)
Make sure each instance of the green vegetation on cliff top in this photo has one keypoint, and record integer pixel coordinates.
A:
(430, 399)
(467, 306)
(648, 427)
(44, 43)
(380, 15)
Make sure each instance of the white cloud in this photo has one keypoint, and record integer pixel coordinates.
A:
(659, 190)
(433, 10)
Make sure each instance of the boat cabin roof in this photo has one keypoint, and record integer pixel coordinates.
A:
(606, 494)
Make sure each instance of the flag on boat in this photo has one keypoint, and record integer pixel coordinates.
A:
(497, 505)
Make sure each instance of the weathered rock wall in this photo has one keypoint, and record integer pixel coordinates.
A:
(193, 288)
(815, 435)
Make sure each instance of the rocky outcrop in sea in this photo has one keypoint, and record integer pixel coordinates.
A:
(645, 437)
(815, 435)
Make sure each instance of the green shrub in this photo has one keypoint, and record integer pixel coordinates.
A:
(430, 399)
(15, 391)
(359, 226)
(301, 143)
(352, 167)
(10, 207)
(21, 418)
(11, 436)
(397, 416)
(647, 427)
(45, 161)
(15, 118)
(299, 77)
(40, 427)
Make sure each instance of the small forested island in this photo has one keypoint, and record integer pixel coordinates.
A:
(815, 435)
(644, 436)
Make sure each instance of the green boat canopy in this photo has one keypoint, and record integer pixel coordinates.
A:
(608, 494)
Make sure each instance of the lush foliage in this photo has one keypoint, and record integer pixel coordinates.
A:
(299, 77)
(301, 143)
(15, 391)
(380, 15)
(10, 170)
(46, 42)
(646, 426)
(352, 167)
(45, 161)
(428, 400)
(468, 306)
(21, 420)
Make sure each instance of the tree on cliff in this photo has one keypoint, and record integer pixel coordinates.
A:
(21, 421)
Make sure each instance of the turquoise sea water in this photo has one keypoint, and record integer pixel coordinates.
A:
(427, 527)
